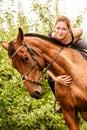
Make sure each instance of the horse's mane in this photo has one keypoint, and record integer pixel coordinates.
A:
(50, 39)
(11, 49)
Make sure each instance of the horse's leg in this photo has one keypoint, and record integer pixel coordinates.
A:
(84, 115)
(71, 118)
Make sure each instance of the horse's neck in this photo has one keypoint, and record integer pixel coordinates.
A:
(63, 62)
(48, 50)
(59, 64)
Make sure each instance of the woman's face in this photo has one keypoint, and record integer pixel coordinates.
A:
(61, 31)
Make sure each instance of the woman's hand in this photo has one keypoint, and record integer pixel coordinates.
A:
(63, 79)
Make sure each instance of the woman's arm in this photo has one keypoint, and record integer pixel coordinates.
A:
(77, 32)
(63, 79)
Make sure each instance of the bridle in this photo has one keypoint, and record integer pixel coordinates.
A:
(32, 52)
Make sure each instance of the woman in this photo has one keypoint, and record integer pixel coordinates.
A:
(69, 37)
(64, 33)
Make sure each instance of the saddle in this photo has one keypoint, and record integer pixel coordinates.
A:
(83, 52)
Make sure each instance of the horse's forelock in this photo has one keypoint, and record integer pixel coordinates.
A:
(11, 49)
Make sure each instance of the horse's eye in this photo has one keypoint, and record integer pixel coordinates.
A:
(25, 59)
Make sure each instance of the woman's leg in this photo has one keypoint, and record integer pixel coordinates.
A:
(81, 46)
(51, 83)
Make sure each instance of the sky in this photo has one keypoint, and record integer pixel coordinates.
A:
(70, 8)
(73, 8)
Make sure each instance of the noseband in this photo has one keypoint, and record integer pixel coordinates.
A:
(32, 52)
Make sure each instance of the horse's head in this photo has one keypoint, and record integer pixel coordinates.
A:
(28, 62)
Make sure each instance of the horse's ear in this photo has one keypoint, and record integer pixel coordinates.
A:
(20, 36)
(4, 45)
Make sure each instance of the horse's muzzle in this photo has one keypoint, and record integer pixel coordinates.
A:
(37, 94)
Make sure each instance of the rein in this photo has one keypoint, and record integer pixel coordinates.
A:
(54, 58)
(32, 52)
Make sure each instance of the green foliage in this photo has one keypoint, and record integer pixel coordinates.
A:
(78, 21)
(18, 110)
(46, 14)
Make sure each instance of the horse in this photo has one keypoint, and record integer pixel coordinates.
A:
(31, 53)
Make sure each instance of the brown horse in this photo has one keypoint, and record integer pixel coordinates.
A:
(31, 53)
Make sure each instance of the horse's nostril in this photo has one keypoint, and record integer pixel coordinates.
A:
(37, 94)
